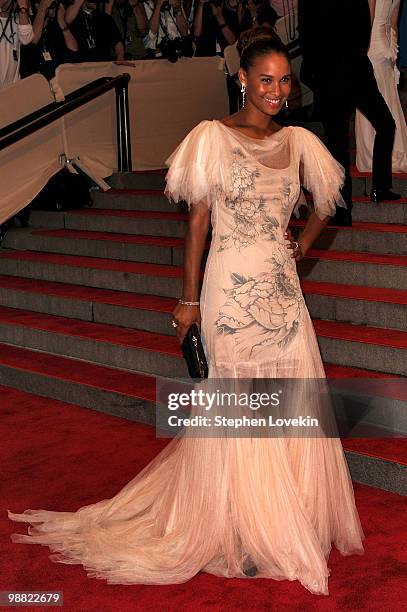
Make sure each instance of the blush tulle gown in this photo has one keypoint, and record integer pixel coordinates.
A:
(222, 505)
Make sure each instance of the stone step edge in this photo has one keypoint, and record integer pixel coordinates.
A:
(168, 345)
(175, 242)
(160, 193)
(171, 271)
(367, 226)
(166, 304)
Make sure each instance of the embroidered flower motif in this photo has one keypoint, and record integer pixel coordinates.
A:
(250, 218)
(264, 309)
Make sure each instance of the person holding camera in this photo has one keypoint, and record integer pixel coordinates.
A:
(215, 27)
(53, 42)
(131, 21)
(167, 22)
(97, 34)
(218, 23)
(15, 31)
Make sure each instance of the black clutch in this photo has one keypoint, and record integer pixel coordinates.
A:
(193, 352)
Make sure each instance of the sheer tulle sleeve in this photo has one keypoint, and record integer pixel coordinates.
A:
(323, 176)
(195, 173)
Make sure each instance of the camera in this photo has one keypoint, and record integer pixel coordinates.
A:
(172, 50)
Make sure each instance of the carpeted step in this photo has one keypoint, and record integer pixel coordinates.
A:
(135, 277)
(154, 179)
(126, 247)
(135, 199)
(355, 267)
(138, 179)
(115, 381)
(134, 310)
(371, 348)
(362, 346)
(110, 345)
(157, 249)
(130, 395)
(399, 180)
(364, 269)
(362, 236)
(377, 461)
(364, 305)
(154, 199)
(356, 304)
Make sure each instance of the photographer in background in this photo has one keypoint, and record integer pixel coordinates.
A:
(131, 21)
(53, 42)
(261, 13)
(98, 38)
(15, 30)
(215, 27)
(218, 23)
(167, 22)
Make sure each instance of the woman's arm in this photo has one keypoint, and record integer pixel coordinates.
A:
(72, 11)
(155, 17)
(312, 230)
(199, 220)
(70, 41)
(198, 18)
(39, 20)
(227, 33)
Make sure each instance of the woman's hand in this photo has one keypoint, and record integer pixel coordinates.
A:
(184, 316)
(310, 233)
(217, 11)
(298, 250)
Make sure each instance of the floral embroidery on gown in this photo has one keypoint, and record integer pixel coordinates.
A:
(383, 52)
(220, 504)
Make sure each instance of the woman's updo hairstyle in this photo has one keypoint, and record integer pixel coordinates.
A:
(258, 41)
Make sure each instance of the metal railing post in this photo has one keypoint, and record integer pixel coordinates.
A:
(123, 126)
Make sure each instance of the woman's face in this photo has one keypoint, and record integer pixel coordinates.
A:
(268, 83)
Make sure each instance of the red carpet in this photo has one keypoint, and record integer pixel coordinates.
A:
(58, 456)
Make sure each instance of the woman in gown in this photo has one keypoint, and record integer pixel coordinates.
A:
(383, 55)
(233, 506)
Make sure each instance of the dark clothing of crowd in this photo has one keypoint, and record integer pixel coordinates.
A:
(97, 34)
(48, 54)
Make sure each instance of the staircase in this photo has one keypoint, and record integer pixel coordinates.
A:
(86, 297)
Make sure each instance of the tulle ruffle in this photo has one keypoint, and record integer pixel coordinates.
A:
(323, 176)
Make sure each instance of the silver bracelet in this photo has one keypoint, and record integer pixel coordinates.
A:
(184, 303)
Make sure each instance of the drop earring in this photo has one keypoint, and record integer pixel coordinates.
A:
(286, 103)
(243, 91)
